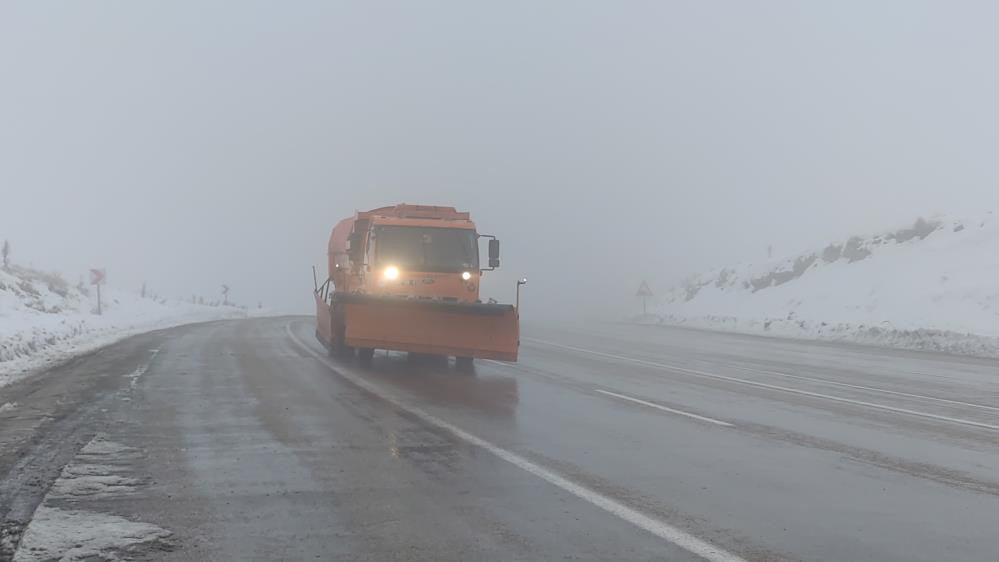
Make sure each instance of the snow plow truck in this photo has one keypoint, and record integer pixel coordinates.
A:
(406, 278)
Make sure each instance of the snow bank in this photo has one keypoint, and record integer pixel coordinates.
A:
(43, 319)
(933, 285)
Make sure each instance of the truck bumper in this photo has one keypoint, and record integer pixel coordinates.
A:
(488, 331)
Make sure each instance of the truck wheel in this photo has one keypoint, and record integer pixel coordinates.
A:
(365, 355)
(340, 347)
(464, 364)
(335, 346)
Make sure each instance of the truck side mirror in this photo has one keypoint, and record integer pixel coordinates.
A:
(494, 253)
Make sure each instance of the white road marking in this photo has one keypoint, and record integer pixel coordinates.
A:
(664, 408)
(534, 372)
(703, 374)
(658, 528)
(134, 375)
(622, 396)
(871, 388)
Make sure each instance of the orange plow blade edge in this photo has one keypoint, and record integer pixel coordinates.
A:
(487, 331)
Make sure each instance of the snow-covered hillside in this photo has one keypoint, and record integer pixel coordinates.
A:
(45, 319)
(933, 285)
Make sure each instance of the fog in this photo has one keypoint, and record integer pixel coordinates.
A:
(190, 144)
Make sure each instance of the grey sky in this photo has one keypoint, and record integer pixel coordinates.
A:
(194, 143)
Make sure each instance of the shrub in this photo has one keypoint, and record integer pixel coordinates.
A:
(920, 229)
(691, 286)
(854, 249)
(832, 252)
(802, 263)
(56, 283)
(723, 277)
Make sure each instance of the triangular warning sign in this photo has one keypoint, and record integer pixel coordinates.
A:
(644, 290)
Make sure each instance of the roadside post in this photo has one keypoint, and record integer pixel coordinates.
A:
(97, 278)
(645, 292)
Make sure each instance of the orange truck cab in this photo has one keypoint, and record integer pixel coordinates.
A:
(406, 278)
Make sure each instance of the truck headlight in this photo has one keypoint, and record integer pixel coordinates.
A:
(466, 275)
(391, 273)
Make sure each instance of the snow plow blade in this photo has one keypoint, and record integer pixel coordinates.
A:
(487, 331)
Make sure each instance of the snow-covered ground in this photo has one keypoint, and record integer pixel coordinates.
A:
(44, 320)
(933, 285)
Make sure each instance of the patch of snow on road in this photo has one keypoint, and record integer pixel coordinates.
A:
(91, 480)
(933, 285)
(7, 406)
(98, 472)
(94, 472)
(72, 535)
(99, 445)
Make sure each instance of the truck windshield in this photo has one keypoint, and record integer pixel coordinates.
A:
(418, 248)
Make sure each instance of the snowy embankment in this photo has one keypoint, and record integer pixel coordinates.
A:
(931, 286)
(44, 320)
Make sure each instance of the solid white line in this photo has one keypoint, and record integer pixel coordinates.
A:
(549, 376)
(871, 388)
(625, 397)
(658, 528)
(702, 374)
(664, 408)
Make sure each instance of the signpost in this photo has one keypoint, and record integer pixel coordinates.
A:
(97, 278)
(225, 294)
(520, 282)
(645, 292)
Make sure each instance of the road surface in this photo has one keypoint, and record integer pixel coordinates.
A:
(241, 440)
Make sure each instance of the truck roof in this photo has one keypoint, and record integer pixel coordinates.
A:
(399, 215)
(418, 215)
(404, 211)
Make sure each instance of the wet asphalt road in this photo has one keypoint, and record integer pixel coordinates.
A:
(239, 440)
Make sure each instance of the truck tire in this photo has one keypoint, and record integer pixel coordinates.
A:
(365, 355)
(339, 347)
(331, 348)
(335, 346)
(464, 364)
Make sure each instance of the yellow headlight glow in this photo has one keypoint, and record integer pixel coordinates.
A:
(391, 273)
(466, 275)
